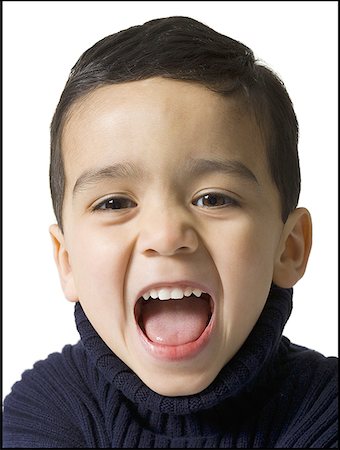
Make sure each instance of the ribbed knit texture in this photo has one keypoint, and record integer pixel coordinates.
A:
(272, 394)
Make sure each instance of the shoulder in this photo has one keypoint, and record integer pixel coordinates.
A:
(311, 379)
(305, 365)
(56, 376)
(51, 403)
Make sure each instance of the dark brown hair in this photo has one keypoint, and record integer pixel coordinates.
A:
(184, 49)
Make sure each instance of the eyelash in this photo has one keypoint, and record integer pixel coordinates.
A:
(214, 197)
(116, 202)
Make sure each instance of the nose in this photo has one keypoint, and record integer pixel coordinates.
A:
(167, 232)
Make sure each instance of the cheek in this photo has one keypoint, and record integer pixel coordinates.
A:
(244, 258)
(260, 251)
(245, 243)
(98, 261)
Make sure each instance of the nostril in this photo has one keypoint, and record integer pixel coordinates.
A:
(168, 240)
(150, 252)
(167, 252)
(184, 248)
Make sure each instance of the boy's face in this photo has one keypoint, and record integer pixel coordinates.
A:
(168, 190)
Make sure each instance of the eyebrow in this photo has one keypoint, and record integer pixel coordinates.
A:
(196, 167)
(233, 167)
(114, 171)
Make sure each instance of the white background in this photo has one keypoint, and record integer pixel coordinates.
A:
(43, 40)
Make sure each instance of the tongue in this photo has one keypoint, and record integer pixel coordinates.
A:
(175, 322)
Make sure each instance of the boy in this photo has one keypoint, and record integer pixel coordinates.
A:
(175, 182)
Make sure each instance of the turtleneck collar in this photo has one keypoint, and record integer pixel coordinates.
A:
(241, 371)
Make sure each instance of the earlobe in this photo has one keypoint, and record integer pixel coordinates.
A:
(61, 258)
(294, 249)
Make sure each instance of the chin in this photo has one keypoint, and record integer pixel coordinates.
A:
(179, 386)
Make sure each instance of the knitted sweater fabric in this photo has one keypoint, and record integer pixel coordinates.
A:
(272, 394)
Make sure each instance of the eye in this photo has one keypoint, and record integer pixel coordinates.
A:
(115, 203)
(214, 200)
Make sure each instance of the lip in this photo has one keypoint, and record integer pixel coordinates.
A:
(176, 352)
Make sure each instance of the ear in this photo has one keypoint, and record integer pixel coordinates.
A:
(294, 249)
(61, 258)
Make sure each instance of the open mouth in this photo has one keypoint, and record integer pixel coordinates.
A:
(171, 319)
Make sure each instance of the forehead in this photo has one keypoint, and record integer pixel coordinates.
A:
(158, 120)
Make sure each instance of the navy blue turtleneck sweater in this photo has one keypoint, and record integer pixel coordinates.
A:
(272, 394)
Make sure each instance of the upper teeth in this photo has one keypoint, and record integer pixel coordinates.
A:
(171, 293)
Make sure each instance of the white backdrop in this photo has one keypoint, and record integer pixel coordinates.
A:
(42, 41)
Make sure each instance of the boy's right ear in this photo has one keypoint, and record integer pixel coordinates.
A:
(61, 257)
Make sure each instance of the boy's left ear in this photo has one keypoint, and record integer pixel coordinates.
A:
(294, 249)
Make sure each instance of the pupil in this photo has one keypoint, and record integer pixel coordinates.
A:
(114, 203)
(212, 200)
